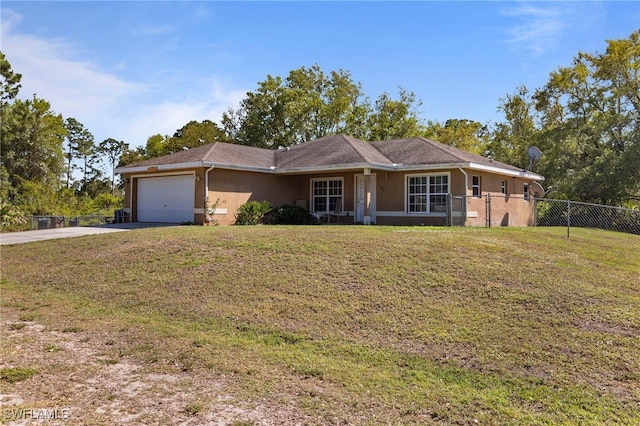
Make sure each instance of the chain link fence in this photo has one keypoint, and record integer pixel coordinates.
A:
(492, 210)
(574, 214)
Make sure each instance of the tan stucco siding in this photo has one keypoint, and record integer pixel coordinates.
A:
(510, 209)
(391, 206)
(234, 188)
(390, 192)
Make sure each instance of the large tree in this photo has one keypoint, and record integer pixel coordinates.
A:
(80, 146)
(394, 118)
(113, 150)
(194, 134)
(309, 104)
(31, 158)
(586, 120)
(32, 145)
(511, 138)
(463, 134)
(591, 112)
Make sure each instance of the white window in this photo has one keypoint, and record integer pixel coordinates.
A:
(503, 187)
(427, 193)
(326, 193)
(526, 192)
(475, 186)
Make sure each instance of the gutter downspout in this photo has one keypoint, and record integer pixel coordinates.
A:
(466, 188)
(130, 202)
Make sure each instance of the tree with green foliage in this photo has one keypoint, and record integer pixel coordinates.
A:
(156, 146)
(309, 104)
(394, 118)
(31, 147)
(591, 112)
(194, 134)
(510, 139)
(80, 146)
(9, 80)
(191, 135)
(586, 120)
(468, 135)
(113, 150)
(131, 156)
(34, 161)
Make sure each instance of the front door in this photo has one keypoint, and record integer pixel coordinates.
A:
(361, 199)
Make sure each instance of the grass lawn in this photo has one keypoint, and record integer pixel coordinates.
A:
(325, 325)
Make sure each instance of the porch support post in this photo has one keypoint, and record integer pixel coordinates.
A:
(367, 197)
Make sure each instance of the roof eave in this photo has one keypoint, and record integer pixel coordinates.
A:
(158, 167)
(191, 165)
(499, 170)
(329, 168)
(411, 167)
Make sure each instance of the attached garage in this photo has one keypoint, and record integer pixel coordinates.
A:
(168, 199)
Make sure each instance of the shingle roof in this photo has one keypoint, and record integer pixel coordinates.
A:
(333, 150)
(329, 152)
(217, 152)
(417, 151)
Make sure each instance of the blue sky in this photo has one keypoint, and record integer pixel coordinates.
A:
(129, 70)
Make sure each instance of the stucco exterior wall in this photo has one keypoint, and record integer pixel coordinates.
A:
(510, 209)
(391, 206)
(234, 188)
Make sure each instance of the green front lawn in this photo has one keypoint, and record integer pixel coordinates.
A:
(362, 325)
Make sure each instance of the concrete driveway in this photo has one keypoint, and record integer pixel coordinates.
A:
(76, 231)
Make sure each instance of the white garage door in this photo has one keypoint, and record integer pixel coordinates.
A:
(166, 199)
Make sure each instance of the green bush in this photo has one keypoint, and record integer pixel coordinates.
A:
(290, 214)
(252, 212)
(12, 216)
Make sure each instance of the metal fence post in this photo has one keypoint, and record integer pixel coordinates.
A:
(568, 217)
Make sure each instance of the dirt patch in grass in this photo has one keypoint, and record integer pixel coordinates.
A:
(79, 376)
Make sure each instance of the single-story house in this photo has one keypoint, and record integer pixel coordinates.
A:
(410, 181)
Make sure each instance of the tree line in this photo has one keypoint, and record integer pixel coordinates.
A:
(49, 165)
(585, 119)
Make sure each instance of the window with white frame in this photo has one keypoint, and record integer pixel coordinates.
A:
(475, 186)
(503, 187)
(326, 193)
(427, 193)
(526, 192)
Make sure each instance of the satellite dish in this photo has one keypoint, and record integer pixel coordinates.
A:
(536, 189)
(534, 155)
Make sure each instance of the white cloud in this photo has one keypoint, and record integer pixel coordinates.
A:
(107, 104)
(168, 116)
(538, 26)
(49, 69)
